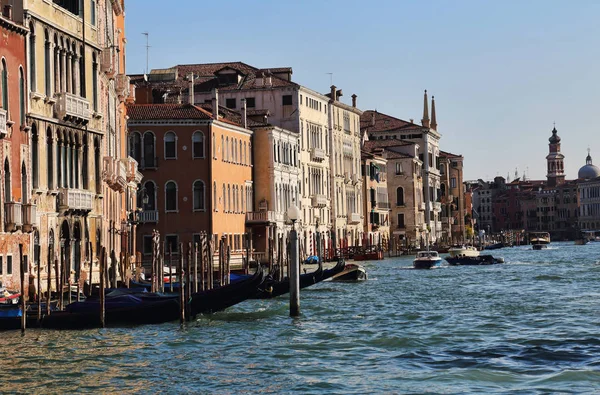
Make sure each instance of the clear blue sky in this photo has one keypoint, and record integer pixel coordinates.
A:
(501, 71)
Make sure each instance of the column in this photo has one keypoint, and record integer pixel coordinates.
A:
(63, 72)
(68, 69)
(51, 51)
(76, 75)
(56, 68)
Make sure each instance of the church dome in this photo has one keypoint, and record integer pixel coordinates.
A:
(554, 139)
(588, 171)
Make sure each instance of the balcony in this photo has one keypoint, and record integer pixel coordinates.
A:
(133, 175)
(383, 205)
(317, 154)
(347, 177)
(13, 216)
(149, 216)
(70, 107)
(421, 206)
(122, 84)
(121, 181)
(355, 179)
(29, 217)
(319, 201)
(107, 62)
(353, 218)
(3, 127)
(260, 217)
(75, 199)
(109, 171)
(437, 206)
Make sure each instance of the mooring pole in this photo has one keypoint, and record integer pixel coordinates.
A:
(181, 297)
(195, 267)
(188, 284)
(294, 274)
(23, 306)
(36, 253)
(171, 267)
(49, 281)
(102, 285)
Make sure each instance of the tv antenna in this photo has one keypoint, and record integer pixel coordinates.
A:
(330, 78)
(147, 51)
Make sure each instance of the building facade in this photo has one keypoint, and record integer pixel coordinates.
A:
(375, 204)
(452, 197)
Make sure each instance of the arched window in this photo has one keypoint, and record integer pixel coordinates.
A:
(214, 147)
(50, 158)
(223, 148)
(199, 195)
(97, 165)
(7, 191)
(170, 146)
(95, 82)
(4, 78)
(224, 199)
(21, 96)
(198, 145)
(149, 159)
(245, 154)
(135, 146)
(24, 188)
(31, 58)
(235, 152)
(84, 172)
(47, 68)
(34, 156)
(151, 193)
(240, 161)
(228, 197)
(226, 151)
(399, 196)
(171, 196)
(443, 190)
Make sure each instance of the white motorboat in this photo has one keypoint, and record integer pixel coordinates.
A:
(427, 260)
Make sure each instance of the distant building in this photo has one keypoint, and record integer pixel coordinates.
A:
(452, 197)
(589, 196)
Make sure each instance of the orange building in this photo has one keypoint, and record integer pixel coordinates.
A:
(197, 173)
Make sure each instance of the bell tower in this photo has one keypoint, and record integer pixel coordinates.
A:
(555, 160)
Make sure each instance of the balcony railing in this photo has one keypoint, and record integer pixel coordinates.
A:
(3, 127)
(75, 199)
(437, 206)
(319, 201)
(72, 107)
(317, 154)
(121, 181)
(107, 61)
(383, 205)
(122, 83)
(355, 178)
(13, 215)
(149, 216)
(109, 171)
(132, 170)
(149, 163)
(260, 217)
(353, 218)
(29, 217)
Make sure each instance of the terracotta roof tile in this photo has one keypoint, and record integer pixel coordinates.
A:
(384, 122)
(166, 111)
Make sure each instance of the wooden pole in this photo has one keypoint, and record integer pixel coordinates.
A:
(102, 286)
(153, 268)
(196, 267)
(113, 265)
(57, 280)
(68, 272)
(228, 266)
(60, 289)
(171, 267)
(23, 306)
(161, 263)
(36, 253)
(211, 269)
(181, 296)
(49, 281)
(294, 275)
(91, 261)
(188, 284)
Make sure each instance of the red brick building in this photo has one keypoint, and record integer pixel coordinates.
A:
(17, 210)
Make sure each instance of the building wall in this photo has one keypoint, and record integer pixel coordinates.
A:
(376, 214)
(589, 204)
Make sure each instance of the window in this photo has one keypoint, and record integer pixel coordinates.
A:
(21, 97)
(401, 221)
(300, 99)
(135, 146)
(149, 159)
(34, 155)
(170, 146)
(93, 12)
(286, 100)
(399, 196)
(198, 145)
(47, 73)
(9, 264)
(171, 244)
(453, 182)
(4, 86)
(250, 102)
(171, 196)
(196, 240)
(230, 103)
(151, 193)
(147, 244)
(399, 170)
(199, 195)
(215, 197)
(95, 82)
(31, 58)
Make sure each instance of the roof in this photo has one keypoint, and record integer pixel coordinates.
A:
(166, 111)
(384, 122)
(369, 145)
(450, 155)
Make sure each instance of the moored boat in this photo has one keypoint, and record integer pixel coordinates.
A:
(352, 272)
(459, 251)
(474, 260)
(494, 246)
(427, 260)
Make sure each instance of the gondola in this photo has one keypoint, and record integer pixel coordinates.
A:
(473, 260)
(494, 246)
(272, 288)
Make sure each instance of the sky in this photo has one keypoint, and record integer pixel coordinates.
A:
(502, 72)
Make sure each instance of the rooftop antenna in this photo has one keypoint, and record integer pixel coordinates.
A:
(147, 50)
(330, 78)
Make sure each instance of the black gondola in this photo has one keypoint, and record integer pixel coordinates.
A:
(474, 260)
(494, 246)
(271, 288)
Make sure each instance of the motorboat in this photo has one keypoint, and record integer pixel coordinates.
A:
(351, 273)
(460, 251)
(474, 260)
(427, 260)
(539, 238)
(539, 246)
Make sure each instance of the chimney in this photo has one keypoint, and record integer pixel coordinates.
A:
(191, 90)
(260, 79)
(268, 79)
(244, 114)
(373, 118)
(7, 12)
(412, 120)
(215, 103)
(354, 101)
(333, 93)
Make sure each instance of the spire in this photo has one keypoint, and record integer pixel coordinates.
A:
(433, 119)
(588, 160)
(425, 120)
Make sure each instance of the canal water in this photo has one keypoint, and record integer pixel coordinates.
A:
(531, 325)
